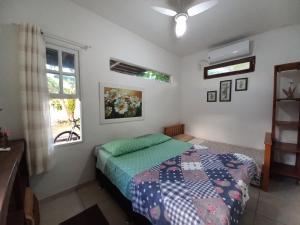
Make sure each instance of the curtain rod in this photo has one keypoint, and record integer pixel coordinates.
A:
(55, 37)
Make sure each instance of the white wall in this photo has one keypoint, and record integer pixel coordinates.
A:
(245, 119)
(75, 163)
(9, 96)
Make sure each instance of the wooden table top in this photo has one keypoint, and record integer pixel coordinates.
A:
(9, 163)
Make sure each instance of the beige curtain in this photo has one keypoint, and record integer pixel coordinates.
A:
(35, 98)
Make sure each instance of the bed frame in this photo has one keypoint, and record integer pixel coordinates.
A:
(174, 130)
(124, 203)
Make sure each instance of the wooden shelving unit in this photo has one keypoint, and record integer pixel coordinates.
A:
(285, 170)
(286, 147)
(287, 99)
(288, 124)
(278, 125)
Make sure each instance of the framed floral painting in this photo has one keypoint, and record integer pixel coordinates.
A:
(120, 103)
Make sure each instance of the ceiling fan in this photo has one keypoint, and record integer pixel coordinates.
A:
(182, 17)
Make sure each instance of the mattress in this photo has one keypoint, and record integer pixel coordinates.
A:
(121, 169)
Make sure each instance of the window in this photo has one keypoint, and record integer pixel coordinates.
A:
(63, 85)
(235, 67)
(129, 69)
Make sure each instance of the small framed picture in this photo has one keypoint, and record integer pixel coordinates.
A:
(225, 91)
(241, 84)
(211, 96)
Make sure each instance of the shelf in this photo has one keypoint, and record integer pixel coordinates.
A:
(287, 99)
(285, 147)
(285, 170)
(288, 124)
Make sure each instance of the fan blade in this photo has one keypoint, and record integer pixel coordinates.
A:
(201, 7)
(168, 12)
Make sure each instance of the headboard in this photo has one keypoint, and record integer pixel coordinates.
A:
(174, 130)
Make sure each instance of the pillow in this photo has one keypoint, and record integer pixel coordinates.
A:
(155, 139)
(122, 146)
(142, 136)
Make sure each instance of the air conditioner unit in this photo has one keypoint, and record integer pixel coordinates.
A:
(228, 52)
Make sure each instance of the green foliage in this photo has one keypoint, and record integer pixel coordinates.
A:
(153, 75)
(53, 85)
(69, 85)
(56, 103)
(70, 105)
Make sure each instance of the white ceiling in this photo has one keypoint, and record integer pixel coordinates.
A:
(230, 20)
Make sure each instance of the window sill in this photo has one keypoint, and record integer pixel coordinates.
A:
(63, 145)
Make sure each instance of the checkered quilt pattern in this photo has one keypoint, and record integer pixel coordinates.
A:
(195, 188)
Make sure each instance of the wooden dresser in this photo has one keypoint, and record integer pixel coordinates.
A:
(13, 182)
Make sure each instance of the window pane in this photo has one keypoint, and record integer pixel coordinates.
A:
(153, 75)
(65, 120)
(69, 84)
(68, 64)
(231, 68)
(124, 68)
(53, 83)
(52, 59)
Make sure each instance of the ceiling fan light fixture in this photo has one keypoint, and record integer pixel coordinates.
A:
(181, 20)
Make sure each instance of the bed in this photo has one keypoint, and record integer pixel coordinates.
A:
(175, 182)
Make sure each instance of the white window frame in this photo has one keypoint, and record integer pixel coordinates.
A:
(61, 95)
(61, 49)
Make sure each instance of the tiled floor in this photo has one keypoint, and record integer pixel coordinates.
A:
(280, 206)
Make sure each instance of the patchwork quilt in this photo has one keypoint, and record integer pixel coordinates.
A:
(195, 188)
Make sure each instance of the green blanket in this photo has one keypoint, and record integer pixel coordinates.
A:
(121, 169)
